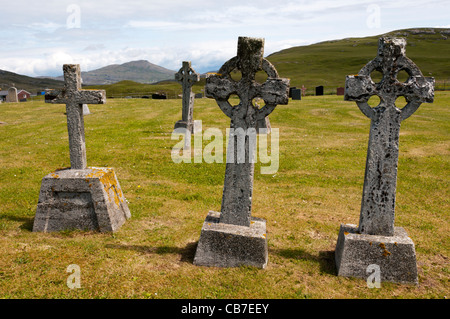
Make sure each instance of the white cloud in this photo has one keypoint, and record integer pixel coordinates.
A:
(38, 41)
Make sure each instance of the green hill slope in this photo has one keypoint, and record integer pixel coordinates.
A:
(8, 79)
(130, 88)
(328, 63)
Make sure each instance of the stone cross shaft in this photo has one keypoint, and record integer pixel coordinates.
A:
(378, 201)
(74, 97)
(238, 184)
(186, 76)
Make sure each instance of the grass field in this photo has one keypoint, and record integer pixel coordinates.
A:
(323, 144)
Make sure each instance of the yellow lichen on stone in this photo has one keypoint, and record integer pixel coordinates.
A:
(108, 180)
(385, 251)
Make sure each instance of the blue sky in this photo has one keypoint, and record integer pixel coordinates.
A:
(38, 37)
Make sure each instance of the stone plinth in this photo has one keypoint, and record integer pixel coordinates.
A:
(84, 199)
(227, 245)
(395, 255)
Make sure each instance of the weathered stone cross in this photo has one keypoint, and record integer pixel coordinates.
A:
(378, 201)
(74, 97)
(238, 185)
(186, 76)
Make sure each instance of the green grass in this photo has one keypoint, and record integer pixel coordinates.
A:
(323, 144)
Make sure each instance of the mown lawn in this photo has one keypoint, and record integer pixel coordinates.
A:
(318, 186)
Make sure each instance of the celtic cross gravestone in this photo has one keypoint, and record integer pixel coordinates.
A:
(376, 240)
(232, 237)
(187, 77)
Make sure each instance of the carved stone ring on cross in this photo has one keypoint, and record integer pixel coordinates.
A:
(247, 89)
(390, 61)
(187, 73)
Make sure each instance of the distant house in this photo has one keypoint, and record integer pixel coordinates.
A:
(23, 95)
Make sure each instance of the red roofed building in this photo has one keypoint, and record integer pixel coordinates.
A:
(23, 95)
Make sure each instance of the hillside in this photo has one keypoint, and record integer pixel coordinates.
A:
(130, 88)
(327, 63)
(7, 79)
(140, 71)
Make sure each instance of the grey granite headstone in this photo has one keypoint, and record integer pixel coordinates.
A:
(373, 242)
(86, 109)
(296, 94)
(80, 197)
(12, 95)
(319, 90)
(290, 90)
(232, 237)
(186, 76)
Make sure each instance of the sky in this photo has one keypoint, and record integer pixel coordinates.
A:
(38, 37)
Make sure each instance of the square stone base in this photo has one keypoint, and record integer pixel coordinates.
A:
(84, 199)
(395, 255)
(226, 245)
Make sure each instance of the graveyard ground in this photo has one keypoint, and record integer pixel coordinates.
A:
(318, 186)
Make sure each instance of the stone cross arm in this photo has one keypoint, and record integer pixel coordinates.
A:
(360, 88)
(81, 97)
(72, 92)
(390, 61)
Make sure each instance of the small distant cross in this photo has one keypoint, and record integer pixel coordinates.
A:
(74, 97)
(378, 202)
(238, 185)
(187, 77)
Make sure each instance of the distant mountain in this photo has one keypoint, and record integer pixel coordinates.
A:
(8, 79)
(140, 71)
